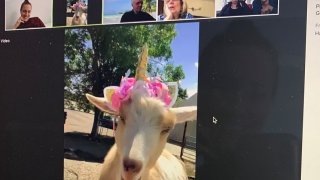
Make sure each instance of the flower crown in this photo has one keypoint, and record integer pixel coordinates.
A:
(149, 87)
(78, 5)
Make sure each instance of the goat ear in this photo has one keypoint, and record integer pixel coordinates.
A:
(100, 103)
(188, 113)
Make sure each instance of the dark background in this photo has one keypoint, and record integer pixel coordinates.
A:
(31, 101)
(251, 78)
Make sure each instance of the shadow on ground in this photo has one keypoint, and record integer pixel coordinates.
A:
(79, 146)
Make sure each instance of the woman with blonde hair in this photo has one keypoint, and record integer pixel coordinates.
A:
(175, 9)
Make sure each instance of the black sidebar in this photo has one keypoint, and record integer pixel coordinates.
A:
(31, 101)
(251, 81)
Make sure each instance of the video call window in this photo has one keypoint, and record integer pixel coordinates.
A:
(26, 14)
(251, 114)
(172, 57)
(22, 14)
(185, 9)
(77, 12)
(122, 11)
(246, 7)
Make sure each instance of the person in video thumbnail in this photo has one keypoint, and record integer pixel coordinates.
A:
(175, 9)
(25, 20)
(265, 6)
(72, 2)
(235, 8)
(136, 14)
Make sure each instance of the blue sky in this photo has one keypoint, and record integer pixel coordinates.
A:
(111, 7)
(185, 49)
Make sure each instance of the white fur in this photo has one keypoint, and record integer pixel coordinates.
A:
(141, 137)
(79, 17)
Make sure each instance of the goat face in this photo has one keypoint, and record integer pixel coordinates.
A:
(141, 134)
(79, 17)
(142, 130)
(79, 11)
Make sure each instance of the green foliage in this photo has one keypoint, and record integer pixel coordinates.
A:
(175, 74)
(97, 57)
(149, 6)
(172, 73)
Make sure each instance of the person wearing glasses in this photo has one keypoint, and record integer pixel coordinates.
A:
(136, 14)
(175, 9)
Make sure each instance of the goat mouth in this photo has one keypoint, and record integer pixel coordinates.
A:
(125, 179)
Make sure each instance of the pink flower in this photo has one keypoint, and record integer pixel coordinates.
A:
(115, 101)
(123, 92)
(165, 96)
(126, 86)
(154, 88)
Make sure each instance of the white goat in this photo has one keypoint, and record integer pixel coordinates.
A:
(80, 15)
(141, 134)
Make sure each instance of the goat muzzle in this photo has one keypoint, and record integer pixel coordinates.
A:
(131, 169)
(131, 165)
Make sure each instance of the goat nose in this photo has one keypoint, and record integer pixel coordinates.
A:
(131, 165)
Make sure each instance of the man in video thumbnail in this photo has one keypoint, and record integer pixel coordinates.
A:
(136, 14)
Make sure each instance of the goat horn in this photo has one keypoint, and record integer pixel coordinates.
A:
(141, 71)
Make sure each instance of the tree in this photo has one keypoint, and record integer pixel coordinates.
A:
(169, 73)
(149, 6)
(175, 74)
(97, 57)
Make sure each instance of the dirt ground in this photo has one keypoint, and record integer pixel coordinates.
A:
(83, 156)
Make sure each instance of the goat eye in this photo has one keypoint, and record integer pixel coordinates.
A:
(164, 131)
(122, 119)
